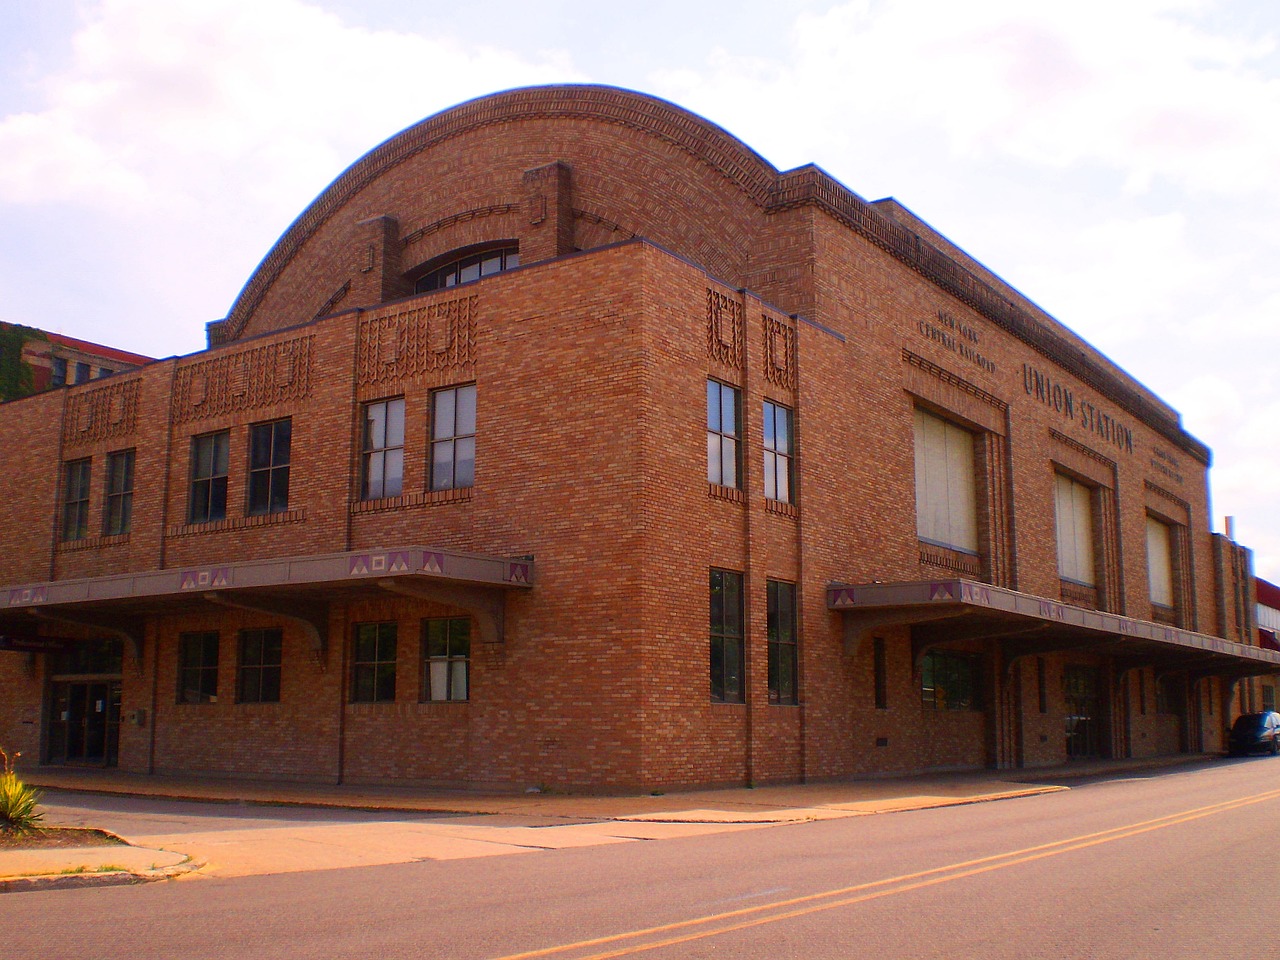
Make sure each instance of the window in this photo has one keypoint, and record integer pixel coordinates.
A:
(198, 667)
(446, 650)
(260, 656)
(726, 637)
(949, 681)
(778, 451)
(782, 642)
(82, 372)
(88, 656)
(104, 372)
(1160, 563)
(269, 466)
(453, 438)
(58, 372)
(1073, 503)
(880, 667)
(946, 494)
(75, 500)
(373, 663)
(1268, 696)
(117, 516)
(471, 267)
(383, 468)
(723, 434)
(209, 456)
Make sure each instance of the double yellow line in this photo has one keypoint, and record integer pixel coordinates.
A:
(716, 924)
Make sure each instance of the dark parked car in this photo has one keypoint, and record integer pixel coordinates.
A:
(1253, 732)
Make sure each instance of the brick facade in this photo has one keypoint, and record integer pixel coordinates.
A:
(656, 253)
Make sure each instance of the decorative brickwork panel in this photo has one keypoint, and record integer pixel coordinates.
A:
(101, 414)
(410, 344)
(726, 336)
(779, 352)
(261, 377)
(999, 546)
(1111, 592)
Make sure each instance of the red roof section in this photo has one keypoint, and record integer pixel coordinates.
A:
(99, 350)
(1268, 593)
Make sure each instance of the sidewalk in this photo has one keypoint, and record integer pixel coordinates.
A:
(324, 831)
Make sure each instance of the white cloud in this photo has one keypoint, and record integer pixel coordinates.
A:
(1137, 87)
(196, 130)
(166, 101)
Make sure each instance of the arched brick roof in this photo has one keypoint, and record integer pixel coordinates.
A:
(702, 140)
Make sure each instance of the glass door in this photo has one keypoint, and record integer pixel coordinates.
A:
(84, 722)
(1081, 688)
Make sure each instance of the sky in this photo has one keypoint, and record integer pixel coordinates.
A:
(1116, 162)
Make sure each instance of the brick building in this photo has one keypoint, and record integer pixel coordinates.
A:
(563, 440)
(42, 360)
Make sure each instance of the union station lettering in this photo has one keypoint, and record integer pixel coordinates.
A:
(1041, 387)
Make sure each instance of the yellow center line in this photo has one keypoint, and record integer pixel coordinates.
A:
(746, 917)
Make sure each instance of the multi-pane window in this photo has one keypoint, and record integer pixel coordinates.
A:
(779, 447)
(198, 667)
(468, 268)
(373, 663)
(782, 642)
(724, 433)
(82, 372)
(209, 457)
(1073, 511)
(382, 473)
(946, 492)
(453, 438)
(269, 466)
(1160, 562)
(261, 652)
(75, 500)
(727, 641)
(950, 681)
(58, 372)
(446, 651)
(117, 517)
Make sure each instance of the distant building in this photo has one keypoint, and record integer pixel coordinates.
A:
(1268, 614)
(563, 440)
(47, 360)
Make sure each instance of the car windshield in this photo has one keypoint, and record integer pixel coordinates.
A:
(1250, 721)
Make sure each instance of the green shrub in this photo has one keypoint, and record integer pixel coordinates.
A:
(17, 800)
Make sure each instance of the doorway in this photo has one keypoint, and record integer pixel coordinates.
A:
(1081, 690)
(84, 722)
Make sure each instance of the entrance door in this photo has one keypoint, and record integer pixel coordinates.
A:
(1081, 689)
(84, 722)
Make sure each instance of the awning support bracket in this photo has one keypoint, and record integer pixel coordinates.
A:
(487, 606)
(129, 630)
(313, 617)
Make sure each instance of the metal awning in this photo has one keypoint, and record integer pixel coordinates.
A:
(947, 611)
(296, 588)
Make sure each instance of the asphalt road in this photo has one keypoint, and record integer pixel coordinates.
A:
(1176, 864)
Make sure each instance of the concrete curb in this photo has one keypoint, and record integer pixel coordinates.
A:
(36, 883)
